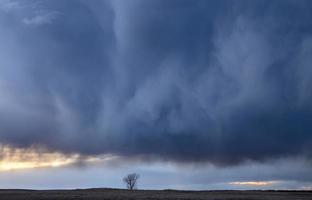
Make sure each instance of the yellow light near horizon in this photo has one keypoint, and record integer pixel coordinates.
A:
(8, 164)
(253, 183)
(19, 158)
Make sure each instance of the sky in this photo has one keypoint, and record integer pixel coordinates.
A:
(189, 94)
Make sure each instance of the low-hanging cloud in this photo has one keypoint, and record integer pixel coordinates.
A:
(215, 81)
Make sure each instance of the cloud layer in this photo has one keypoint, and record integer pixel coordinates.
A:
(216, 81)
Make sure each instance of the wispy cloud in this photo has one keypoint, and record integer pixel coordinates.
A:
(32, 12)
(40, 19)
(9, 5)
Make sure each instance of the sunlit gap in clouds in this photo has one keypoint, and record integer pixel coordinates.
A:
(28, 158)
(254, 183)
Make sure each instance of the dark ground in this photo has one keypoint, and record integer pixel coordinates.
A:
(114, 194)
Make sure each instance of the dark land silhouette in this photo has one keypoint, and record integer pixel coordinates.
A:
(120, 194)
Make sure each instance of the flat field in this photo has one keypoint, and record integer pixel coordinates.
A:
(118, 194)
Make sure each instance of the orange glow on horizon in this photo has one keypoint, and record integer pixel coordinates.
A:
(253, 183)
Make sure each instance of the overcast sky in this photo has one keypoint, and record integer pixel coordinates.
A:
(190, 94)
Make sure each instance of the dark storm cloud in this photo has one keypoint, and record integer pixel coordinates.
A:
(217, 81)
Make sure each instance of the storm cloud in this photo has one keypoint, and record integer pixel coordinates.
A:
(186, 81)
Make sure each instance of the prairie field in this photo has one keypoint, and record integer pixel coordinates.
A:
(119, 194)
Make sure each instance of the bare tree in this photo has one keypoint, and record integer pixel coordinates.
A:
(131, 180)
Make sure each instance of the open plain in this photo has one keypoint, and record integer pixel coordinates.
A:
(118, 194)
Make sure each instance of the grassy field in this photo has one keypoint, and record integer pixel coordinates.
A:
(116, 194)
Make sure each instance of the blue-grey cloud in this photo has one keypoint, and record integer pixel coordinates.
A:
(215, 81)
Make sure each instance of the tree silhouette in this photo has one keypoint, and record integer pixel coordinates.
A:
(131, 180)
